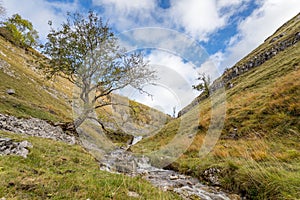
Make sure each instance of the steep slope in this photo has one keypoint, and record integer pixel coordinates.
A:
(257, 152)
(34, 96)
(54, 169)
(52, 99)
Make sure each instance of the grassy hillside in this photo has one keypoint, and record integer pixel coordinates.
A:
(134, 118)
(52, 99)
(34, 95)
(258, 152)
(55, 170)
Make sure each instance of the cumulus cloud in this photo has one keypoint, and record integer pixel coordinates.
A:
(197, 18)
(177, 52)
(174, 85)
(252, 31)
(202, 18)
(125, 15)
(39, 12)
(125, 6)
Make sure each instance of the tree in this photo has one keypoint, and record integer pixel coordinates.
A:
(85, 51)
(203, 86)
(22, 31)
(174, 112)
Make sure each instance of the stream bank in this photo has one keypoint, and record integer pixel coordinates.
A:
(122, 161)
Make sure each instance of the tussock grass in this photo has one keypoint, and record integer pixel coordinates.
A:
(258, 150)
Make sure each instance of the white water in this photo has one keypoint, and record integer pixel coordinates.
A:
(122, 161)
(136, 140)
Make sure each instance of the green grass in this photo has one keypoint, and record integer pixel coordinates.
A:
(55, 170)
(35, 96)
(262, 161)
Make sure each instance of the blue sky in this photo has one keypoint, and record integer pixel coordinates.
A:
(185, 36)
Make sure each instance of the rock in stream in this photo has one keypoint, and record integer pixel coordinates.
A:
(122, 161)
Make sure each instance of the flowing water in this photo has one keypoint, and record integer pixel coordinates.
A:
(122, 161)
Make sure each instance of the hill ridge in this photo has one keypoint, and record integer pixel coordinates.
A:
(274, 44)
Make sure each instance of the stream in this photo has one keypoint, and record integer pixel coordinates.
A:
(122, 161)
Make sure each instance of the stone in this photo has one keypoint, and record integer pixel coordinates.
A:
(255, 61)
(167, 180)
(123, 168)
(9, 147)
(133, 194)
(234, 197)
(36, 127)
(173, 177)
(10, 91)
(211, 175)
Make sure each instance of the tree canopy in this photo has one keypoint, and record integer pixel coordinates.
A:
(22, 31)
(203, 86)
(86, 51)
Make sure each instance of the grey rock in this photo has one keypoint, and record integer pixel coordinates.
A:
(9, 147)
(35, 127)
(133, 194)
(122, 161)
(255, 61)
(211, 175)
(10, 91)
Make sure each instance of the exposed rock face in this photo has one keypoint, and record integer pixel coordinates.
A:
(34, 127)
(255, 61)
(9, 147)
(274, 47)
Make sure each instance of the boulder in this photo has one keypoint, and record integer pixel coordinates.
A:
(35, 127)
(10, 91)
(9, 147)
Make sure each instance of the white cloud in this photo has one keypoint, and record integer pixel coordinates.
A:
(174, 63)
(201, 18)
(125, 6)
(125, 14)
(176, 77)
(196, 19)
(209, 69)
(231, 3)
(39, 12)
(174, 87)
(252, 31)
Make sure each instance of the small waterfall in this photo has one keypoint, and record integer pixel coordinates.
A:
(122, 161)
(136, 139)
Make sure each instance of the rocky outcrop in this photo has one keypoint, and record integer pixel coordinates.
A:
(9, 147)
(35, 127)
(275, 45)
(255, 61)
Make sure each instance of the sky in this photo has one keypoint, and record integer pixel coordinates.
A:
(182, 38)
